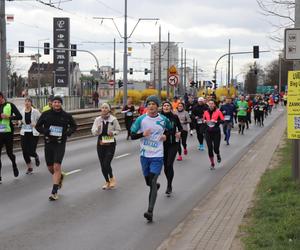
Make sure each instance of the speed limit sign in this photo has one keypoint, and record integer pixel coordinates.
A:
(173, 80)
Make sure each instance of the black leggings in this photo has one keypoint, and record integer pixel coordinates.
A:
(213, 140)
(105, 155)
(170, 152)
(28, 144)
(7, 140)
(151, 181)
(128, 124)
(182, 141)
(200, 132)
(261, 118)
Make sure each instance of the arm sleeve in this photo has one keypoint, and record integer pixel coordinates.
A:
(40, 125)
(14, 110)
(178, 124)
(135, 128)
(95, 127)
(72, 126)
(117, 127)
(188, 118)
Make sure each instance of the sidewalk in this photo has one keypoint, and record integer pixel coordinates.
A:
(214, 223)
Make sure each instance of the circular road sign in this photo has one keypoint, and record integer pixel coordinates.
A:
(173, 80)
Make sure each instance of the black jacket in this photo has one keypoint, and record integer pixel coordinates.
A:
(56, 118)
(198, 111)
(171, 138)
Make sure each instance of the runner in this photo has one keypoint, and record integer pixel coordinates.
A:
(171, 144)
(242, 107)
(197, 114)
(9, 113)
(249, 111)
(189, 108)
(150, 129)
(228, 110)
(185, 120)
(128, 110)
(262, 109)
(29, 135)
(56, 125)
(49, 105)
(106, 127)
(213, 117)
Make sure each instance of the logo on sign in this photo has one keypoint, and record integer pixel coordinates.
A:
(60, 81)
(60, 24)
(60, 45)
(60, 36)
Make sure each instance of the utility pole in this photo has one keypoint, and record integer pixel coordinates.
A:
(168, 67)
(159, 63)
(3, 83)
(231, 70)
(193, 78)
(228, 75)
(114, 75)
(125, 63)
(196, 71)
(296, 144)
(184, 80)
(181, 74)
(279, 76)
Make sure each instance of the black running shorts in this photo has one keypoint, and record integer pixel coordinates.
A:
(54, 153)
(242, 118)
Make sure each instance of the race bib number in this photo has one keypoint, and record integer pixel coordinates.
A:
(261, 109)
(211, 124)
(107, 139)
(243, 108)
(190, 112)
(2, 128)
(199, 121)
(56, 131)
(150, 145)
(227, 117)
(27, 128)
(129, 113)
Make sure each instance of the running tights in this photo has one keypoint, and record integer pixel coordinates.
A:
(170, 152)
(105, 155)
(213, 140)
(183, 140)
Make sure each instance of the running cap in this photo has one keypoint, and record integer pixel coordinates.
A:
(153, 98)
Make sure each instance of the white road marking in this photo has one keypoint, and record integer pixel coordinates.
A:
(73, 172)
(121, 156)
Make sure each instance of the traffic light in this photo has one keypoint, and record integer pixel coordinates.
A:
(46, 48)
(255, 51)
(146, 71)
(112, 71)
(21, 46)
(131, 71)
(74, 48)
(120, 84)
(192, 84)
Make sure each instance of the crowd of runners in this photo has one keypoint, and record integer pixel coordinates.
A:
(163, 129)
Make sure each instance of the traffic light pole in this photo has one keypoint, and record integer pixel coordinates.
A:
(233, 53)
(3, 78)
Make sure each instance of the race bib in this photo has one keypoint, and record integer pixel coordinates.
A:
(2, 128)
(261, 109)
(199, 121)
(56, 131)
(211, 124)
(243, 108)
(129, 113)
(107, 139)
(190, 112)
(227, 117)
(150, 145)
(27, 128)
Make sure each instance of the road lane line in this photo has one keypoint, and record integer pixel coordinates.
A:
(73, 172)
(121, 156)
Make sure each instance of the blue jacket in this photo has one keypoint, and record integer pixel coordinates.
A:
(228, 110)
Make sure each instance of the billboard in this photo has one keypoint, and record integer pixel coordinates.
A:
(61, 58)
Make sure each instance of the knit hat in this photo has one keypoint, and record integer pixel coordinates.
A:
(57, 98)
(153, 98)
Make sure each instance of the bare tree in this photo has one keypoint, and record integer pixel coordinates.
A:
(284, 10)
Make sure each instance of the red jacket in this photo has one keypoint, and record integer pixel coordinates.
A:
(217, 116)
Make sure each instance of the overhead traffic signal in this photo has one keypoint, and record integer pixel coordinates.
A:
(21, 46)
(131, 71)
(73, 49)
(120, 84)
(146, 71)
(46, 48)
(255, 51)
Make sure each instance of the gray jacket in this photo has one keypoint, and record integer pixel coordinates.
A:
(184, 119)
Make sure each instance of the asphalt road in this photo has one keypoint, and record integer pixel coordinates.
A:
(88, 218)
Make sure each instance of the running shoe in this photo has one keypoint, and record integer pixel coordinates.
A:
(62, 176)
(37, 161)
(16, 170)
(29, 171)
(219, 158)
(169, 191)
(106, 186)
(179, 158)
(212, 167)
(185, 151)
(158, 186)
(53, 197)
(149, 216)
(0, 180)
(191, 133)
(112, 182)
(201, 147)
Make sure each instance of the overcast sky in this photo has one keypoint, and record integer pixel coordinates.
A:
(203, 27)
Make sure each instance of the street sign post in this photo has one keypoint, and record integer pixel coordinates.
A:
(292, 44)
(173, 80)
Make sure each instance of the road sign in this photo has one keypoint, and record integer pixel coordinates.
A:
(292, 44)
(173, 80)
(111, 82)
(293, 107)
(172, 70)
